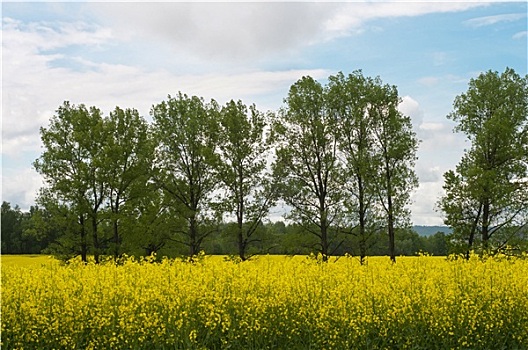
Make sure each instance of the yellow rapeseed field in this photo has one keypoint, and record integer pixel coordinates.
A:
(270, 302)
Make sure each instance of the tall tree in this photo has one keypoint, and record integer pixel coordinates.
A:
(307, 166)
(487, 195)
(127, 154)
(186, 129)
(396, 145)
(71, 165)
(348, 100)
(242, 170)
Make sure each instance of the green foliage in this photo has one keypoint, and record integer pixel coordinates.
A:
(307, 168)
(57, 226)
(243, 153)
(95, 169)
(348, 103)
(15, 236)
(72, 166)
(396, 145)
(378, 149)
(186, 129)
(204, 176)
(345, 158)
(127, 155)
(487, 195)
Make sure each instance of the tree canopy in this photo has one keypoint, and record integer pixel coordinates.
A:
(486, 201)
(339, 156)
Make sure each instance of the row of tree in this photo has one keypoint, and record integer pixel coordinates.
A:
(340, 156)
(19, 237)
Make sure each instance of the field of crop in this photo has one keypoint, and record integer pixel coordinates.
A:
(273, 302)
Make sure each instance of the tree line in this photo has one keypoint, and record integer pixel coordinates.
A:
(19, 236)
(341, 156)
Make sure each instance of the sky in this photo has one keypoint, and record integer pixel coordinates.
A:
(134, 54)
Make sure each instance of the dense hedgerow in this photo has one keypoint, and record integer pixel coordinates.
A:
(273, 302)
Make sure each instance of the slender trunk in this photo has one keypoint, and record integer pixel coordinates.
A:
(149, 249)
(390, 215)
(324, 240)
(241, 241)
(392, 245)
(472, 232)
(193, 236)
(470, 243)
(152, 248)
(84, 246)
(241, 245)
(95, 238)
(485, 223)
(117, 239)
(194, 243)
(362, 231)
(324, 229)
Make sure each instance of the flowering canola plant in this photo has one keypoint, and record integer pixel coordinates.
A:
(270, 302)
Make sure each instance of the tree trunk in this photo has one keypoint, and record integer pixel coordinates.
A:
(152, 248)
(241, 241)
(241, 246)
(485, 223)
(240, 216)
(390, 216)
(193, 236)
(392, 245)
(117, 239)
(84, 246)
(472, 232)
(324, 231)
(95, 239)
(362, 231)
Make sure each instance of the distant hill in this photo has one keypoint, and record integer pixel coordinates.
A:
(431, 230)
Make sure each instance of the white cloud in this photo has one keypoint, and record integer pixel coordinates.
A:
(438, 151)
(432, 126)
(219, 31)
(424, 204)
(439, 142)
(352, 16)
(520, 35)
(217, 49)
(20, 186)
(491, 20)
(429, 173)
(253, 31)
(34, 88)
(411, 108)
(52, 35)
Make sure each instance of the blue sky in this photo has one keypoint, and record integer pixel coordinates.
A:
(134, 54)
